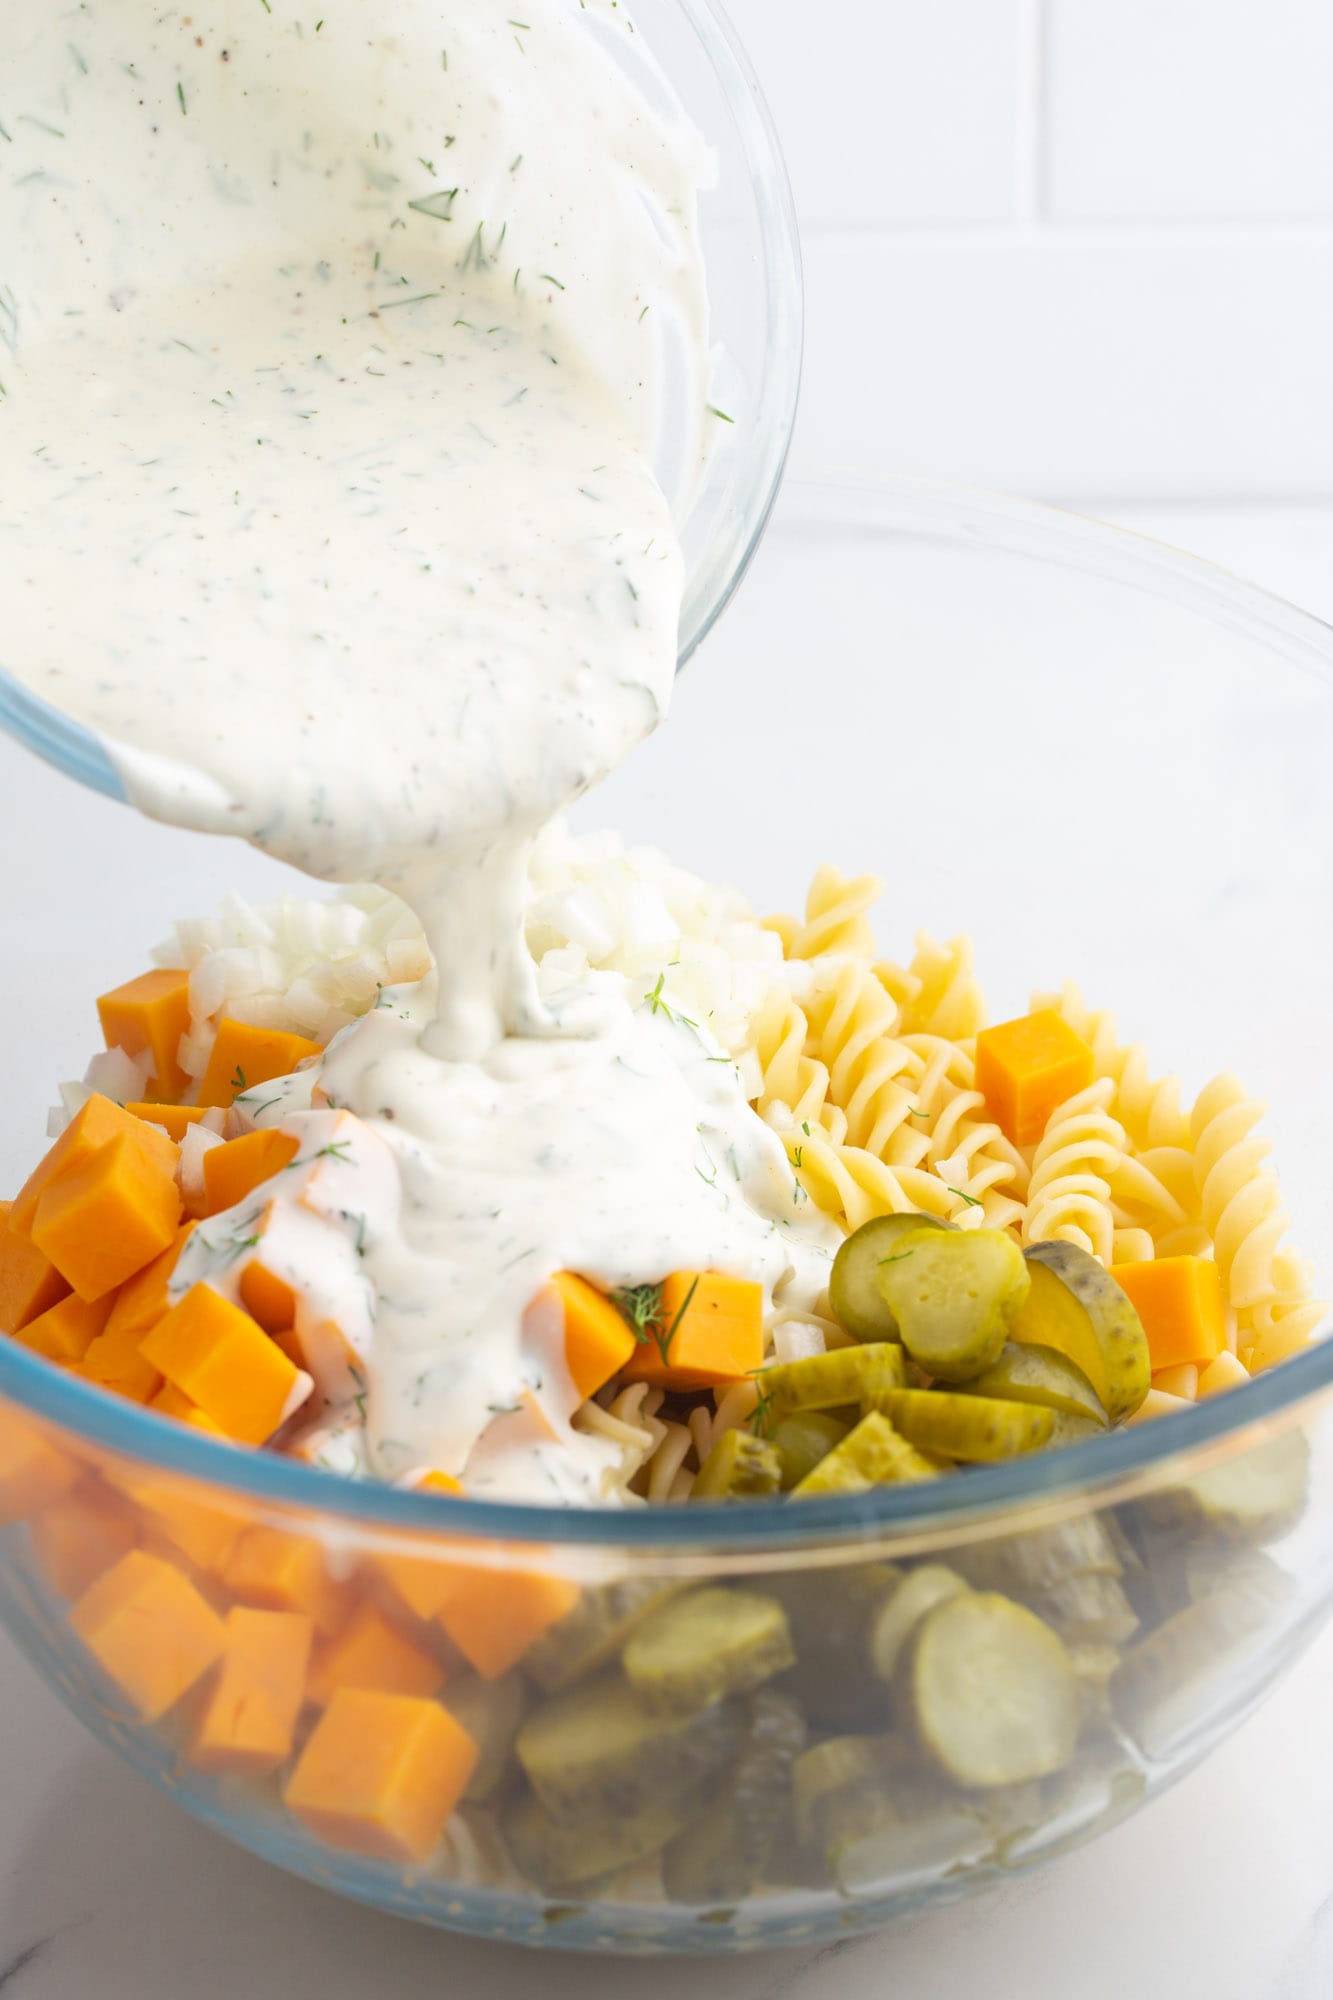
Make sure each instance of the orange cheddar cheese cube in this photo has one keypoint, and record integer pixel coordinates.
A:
(1179, 1300)
(173, 1516)
(169, 1402)
(598, 1339)
(234, 1170)
(103, 1220)
(33, 1471)
(494, 1616)
(149, 1630)
(226, 1364)
(267, 1297)
(78, 1538)
(710, 1330)
(421, 1582)
(116, 1361)
(175, 1119)
(371, 1652)
(94, 1125)
(248, 1723)
(243, 1056)
(278, 1571)
(29, 1282)
(381, 1774)
(143, 1299)
(1025, 1068)
(66, 1331)
(150, 1013)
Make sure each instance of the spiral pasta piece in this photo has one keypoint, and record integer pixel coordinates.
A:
(1241, 1202)
(949, 1000)
(795, 1083)
(1069, 1193)
(835, 916)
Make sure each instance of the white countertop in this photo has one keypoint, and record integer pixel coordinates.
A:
(1224, 1888)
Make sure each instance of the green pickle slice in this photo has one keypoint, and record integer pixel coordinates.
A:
(1166, 1687)
(739, 1467)
(491, 1712)
(802, 1439)
(721, 1855)
(874, 1454)
(1255, 1496)
(597, 1748)
(1025, 1564)
(916, 1596)
(859, 1306)
(1041, 1375)
(831, 1613)
(594, 1631)
(707, 1644)
(829, 1381)
(1089, 1611)
(976, 1429)
(558, 1854)
(954, 1294)
(1076, 1307)
(991, 1692)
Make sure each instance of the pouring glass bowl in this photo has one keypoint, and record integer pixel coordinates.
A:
(752, 254)
(1153, 837)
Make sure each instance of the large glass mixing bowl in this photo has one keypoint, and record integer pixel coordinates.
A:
(1105, 760)
(752, 254)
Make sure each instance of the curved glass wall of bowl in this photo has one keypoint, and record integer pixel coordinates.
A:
(752, 252)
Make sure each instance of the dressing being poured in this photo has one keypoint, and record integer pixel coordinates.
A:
(333, 380)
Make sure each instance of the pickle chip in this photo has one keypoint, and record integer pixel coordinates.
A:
(1075, 1306)
(846, 1375)
(874, 1454)
(954, 1294)
(975, 1429)
(1254, 1496)
(594, 1631)
(491, 1712)
(917, 1595)
(991, 1691)
(1165, 1687)
(1027, 1373)
(721, 1855)
(739, 1467)
(560, 1854)
(859, 1306)
(598, 1749)
(707, 1644)
(1089, 1611)
(802, 1439)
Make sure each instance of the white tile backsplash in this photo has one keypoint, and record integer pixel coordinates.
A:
(1076, 248)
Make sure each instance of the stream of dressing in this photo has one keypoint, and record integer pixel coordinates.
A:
(332, 375)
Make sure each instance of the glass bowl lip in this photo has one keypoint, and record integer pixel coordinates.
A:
(86, 757)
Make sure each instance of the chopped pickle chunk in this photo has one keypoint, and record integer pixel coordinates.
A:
(918, 1593)
(1254, 1496)
(859, 1306)
(559, 1854)
(1042, 1375)
(991, 1692)
(972, 1428)
(707, 1644)
(954, 1294)
(874, 1454)
(739, 1467)
(1165, 1686)
(1022, 1565)
(828, 1381)
(802, 1439)
(594, 1631)
(491, 1712)
(597, 1748)
(1089, 1611)
(831, 1613)
(1075, 1306)
(720, 1857)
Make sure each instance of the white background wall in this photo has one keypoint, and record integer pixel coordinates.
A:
(1080, 249)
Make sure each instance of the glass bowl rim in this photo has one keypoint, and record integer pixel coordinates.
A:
(81, 754)
(1173, 1444)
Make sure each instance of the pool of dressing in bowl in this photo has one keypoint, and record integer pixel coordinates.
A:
(336, 356)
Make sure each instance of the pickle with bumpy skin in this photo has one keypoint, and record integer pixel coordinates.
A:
(917, 1595)
(844, 1375)
(872, 1843)
(560, 1854)
(1165, 1687)
(739, 1467)
(954, 1294)
(1075, 1306)
(976, 1429)
(858, 1304)
(1027, 1373)
(1088, 1611)
(990, 1692)
(594, 1631)
(597, 1748)
(1254, 1496)
(707, 1644)
(835, 1767)
(491, 1712)
(720, 1857)
(802, 1439)
(874, 1454)
(1071, 1430)
(1023, 1565)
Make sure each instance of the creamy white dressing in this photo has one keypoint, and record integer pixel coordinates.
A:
(334, 366)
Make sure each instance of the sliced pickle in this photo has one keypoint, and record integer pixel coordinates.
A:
(558, 1854)
(846, 1375)
(802, 1440)
(954, 1294)
(839, 1765)
(1094, 1665)
(707, 1644)
(1043, 1375)
(831, 1612)
(739, 1467)
(893, 1625)
(491, 1712)
(874, 1454)
(1167, 1687)
(596, 1748)
(976, 1429)
(1024, 1565)
(1256, 1496)
(859, 1306)
(873, 1845)
(1089, 1611)
(594, 1631)
(1071, 1430)
(991, 1692)
(720, 1857)
(1075, 1306)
